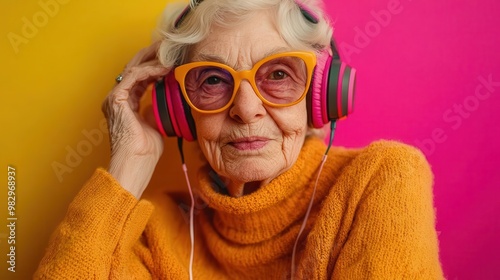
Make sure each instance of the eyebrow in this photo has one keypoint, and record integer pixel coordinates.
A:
(209, 57)
(275, 51)
(219, 59)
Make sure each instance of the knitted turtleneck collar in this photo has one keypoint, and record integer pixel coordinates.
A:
(272, 212)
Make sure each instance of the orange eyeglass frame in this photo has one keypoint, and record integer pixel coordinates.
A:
(308, 57)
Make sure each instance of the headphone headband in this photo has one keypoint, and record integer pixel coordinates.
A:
(307, 13)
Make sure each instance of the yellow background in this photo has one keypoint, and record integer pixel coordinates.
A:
(52, 87)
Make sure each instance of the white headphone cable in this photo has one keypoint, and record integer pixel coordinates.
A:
(191, 210)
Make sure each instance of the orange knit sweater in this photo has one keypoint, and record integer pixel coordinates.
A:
(373, 218)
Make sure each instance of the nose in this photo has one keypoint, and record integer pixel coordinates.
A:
(247, 106)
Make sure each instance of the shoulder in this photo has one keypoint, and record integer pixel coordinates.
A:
(399, 175)
(383, 156)
(394, 154)
(396, 159)
(384, 166)
(377, 163)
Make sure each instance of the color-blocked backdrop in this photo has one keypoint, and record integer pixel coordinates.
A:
(428, 75)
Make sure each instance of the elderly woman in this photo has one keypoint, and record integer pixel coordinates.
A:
(241, 79)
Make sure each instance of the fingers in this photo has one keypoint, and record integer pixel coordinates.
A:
(140, 74)
(135, 82)
(125, 97)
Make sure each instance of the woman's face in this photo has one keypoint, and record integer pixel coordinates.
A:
(250, 142)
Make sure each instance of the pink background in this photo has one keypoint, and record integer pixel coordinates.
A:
(419, 81)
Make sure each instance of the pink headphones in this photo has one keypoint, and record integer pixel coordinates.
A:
(330, 98)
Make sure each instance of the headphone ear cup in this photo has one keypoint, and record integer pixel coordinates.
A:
(173, 115)
(160, 109)
(317, 106)
(341, 87)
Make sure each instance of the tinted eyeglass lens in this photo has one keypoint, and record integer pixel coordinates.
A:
(209, 87)
(282, 80)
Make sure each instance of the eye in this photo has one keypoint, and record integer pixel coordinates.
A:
(213, 80)
(278, 75)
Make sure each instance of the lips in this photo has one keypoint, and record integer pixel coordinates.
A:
(249, 143)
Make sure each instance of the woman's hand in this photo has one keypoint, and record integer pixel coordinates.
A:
(136, 145)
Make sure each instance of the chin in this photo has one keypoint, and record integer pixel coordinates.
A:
(253, 171)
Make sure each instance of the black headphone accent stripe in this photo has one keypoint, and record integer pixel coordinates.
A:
(162, 106)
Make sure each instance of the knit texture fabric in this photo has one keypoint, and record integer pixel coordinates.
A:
(372, 218)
